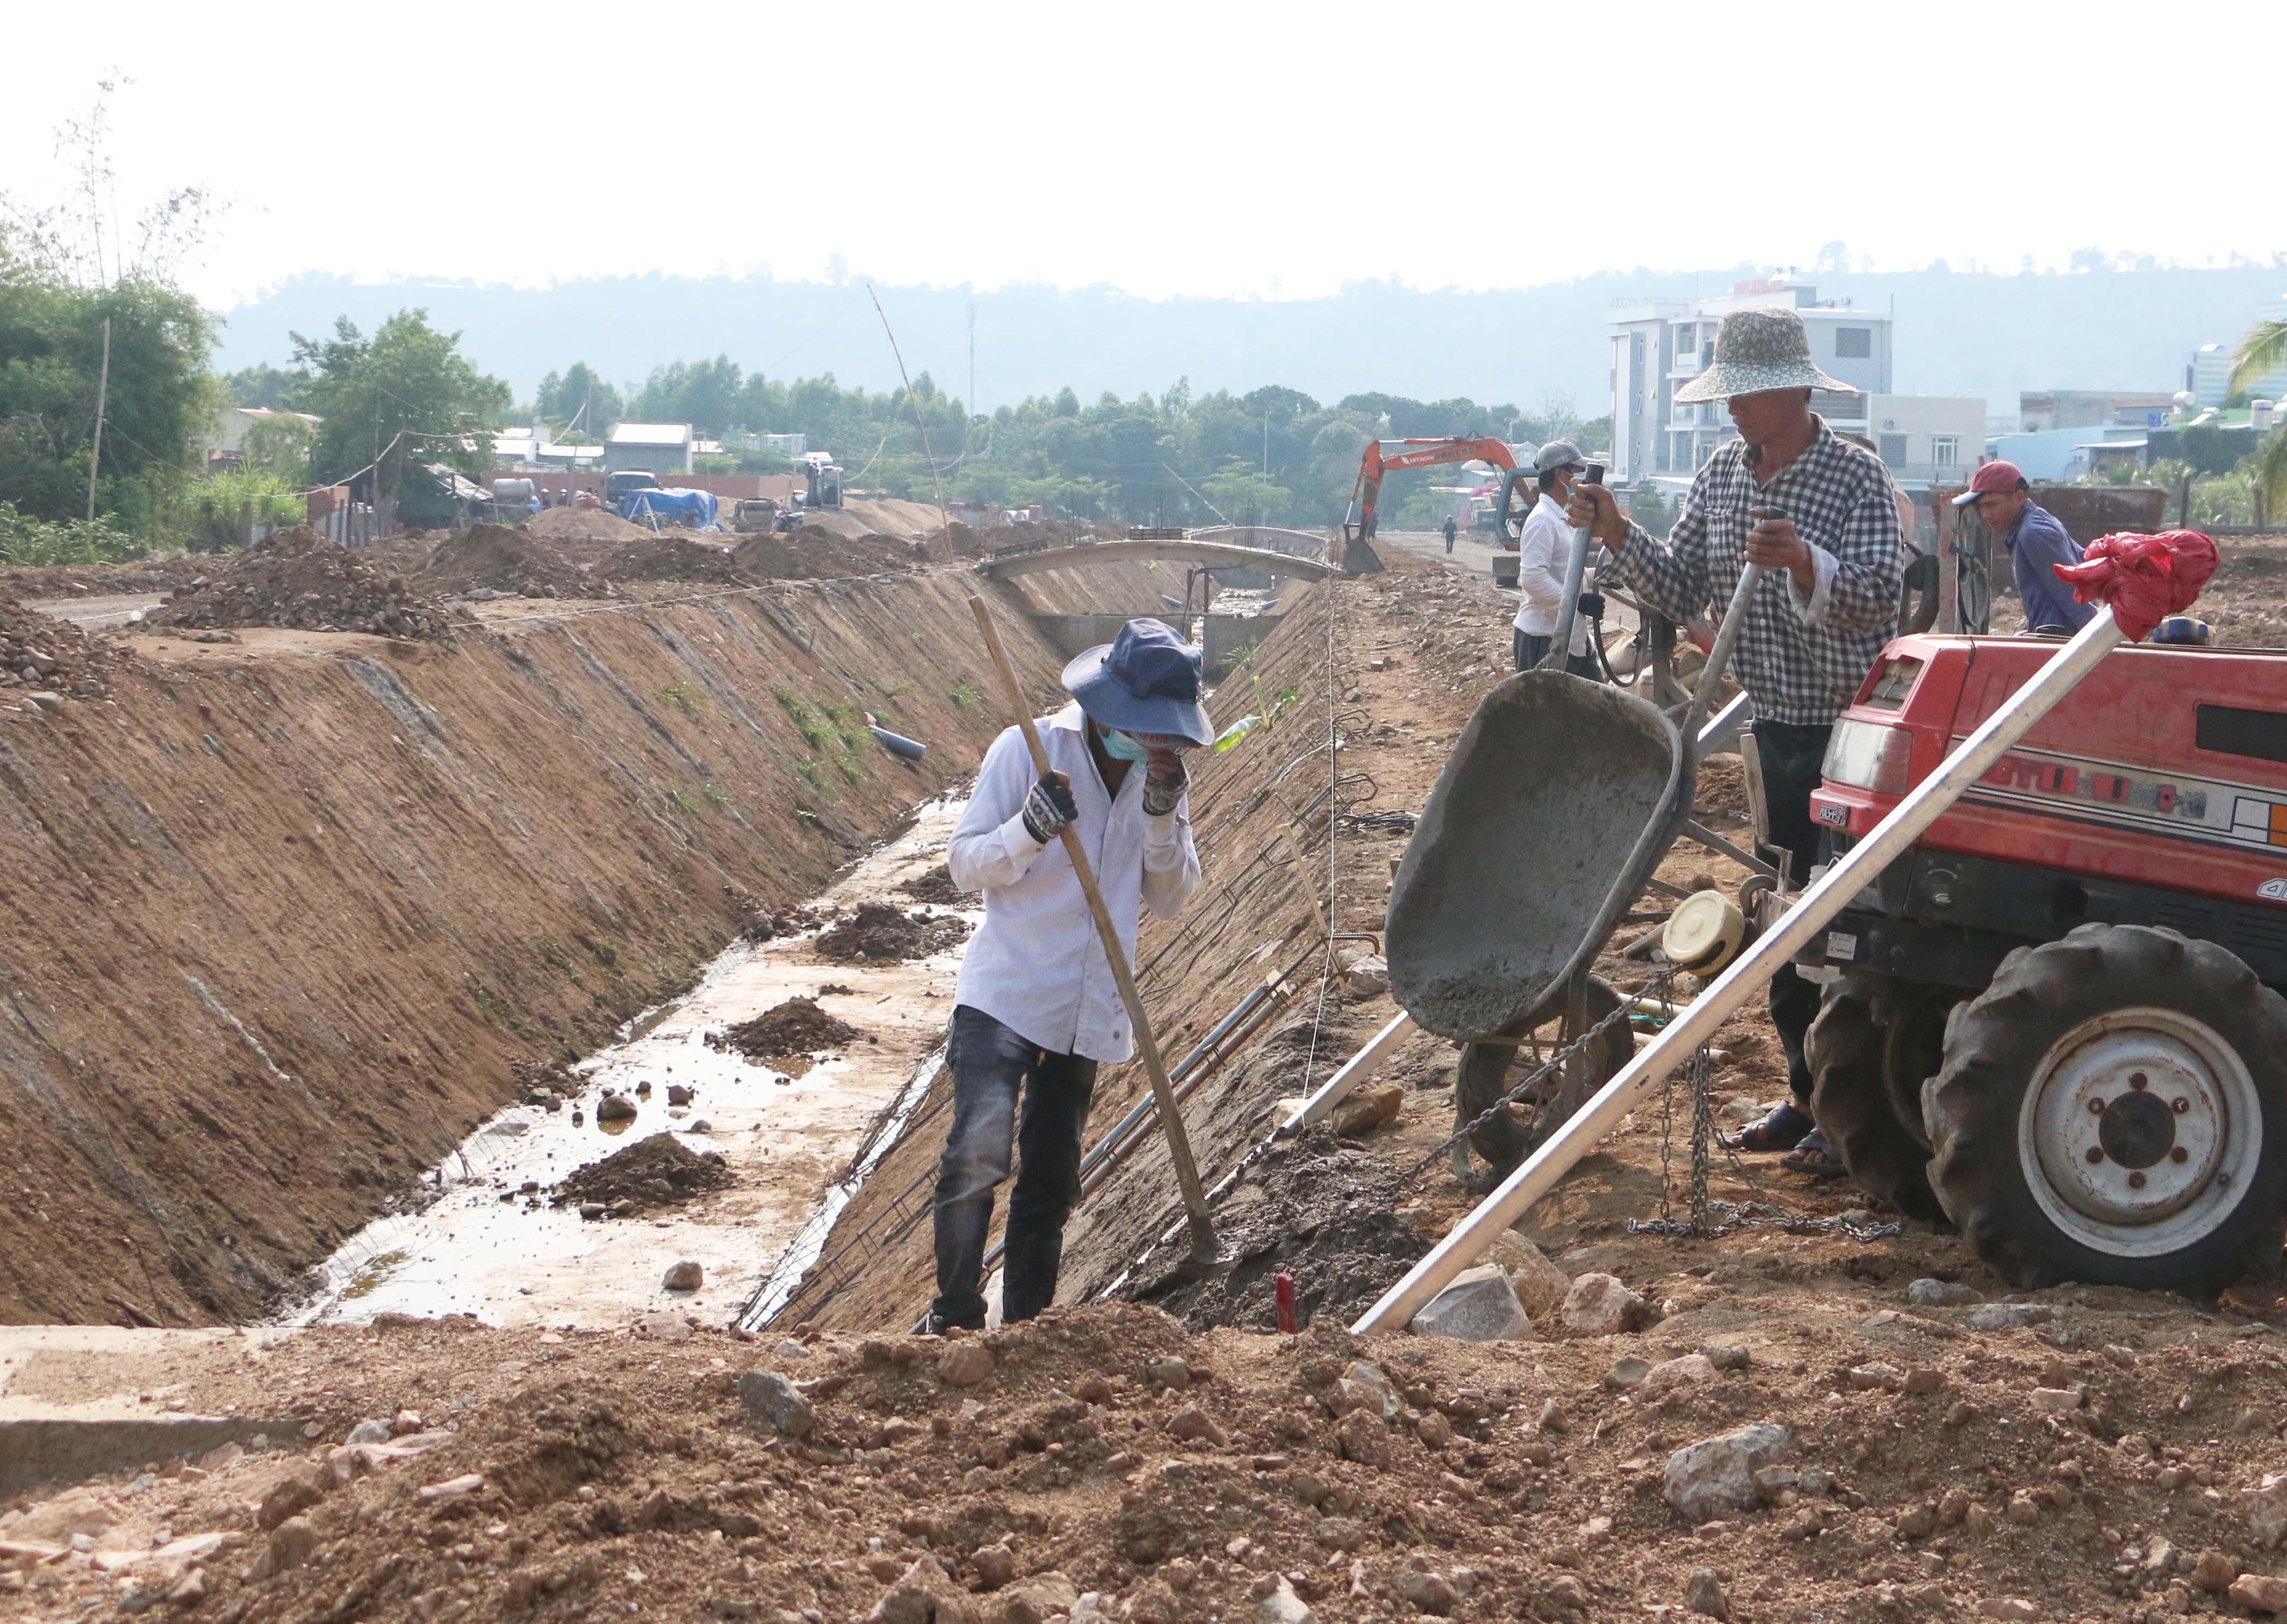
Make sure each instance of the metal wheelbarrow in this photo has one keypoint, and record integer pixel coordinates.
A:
(1557, 803)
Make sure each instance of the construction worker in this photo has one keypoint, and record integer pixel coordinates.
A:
(1543, 552)
(1816, 512)
(2037, 543)
(1036, 1008)
(1452, 529)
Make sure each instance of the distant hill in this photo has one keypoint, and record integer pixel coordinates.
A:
(1957, 333)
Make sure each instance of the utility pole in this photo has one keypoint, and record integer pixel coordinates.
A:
(972, 358)
(102, 399)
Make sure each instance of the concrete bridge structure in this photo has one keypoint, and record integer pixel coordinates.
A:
(1201, 554)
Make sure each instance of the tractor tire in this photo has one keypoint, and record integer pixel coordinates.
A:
(1852, 1103)
(2113, 1110)
(1487, 1072)
(1913, 1052)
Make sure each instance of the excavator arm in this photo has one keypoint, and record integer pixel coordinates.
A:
(1366, 493)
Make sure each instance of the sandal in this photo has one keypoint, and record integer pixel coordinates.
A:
(1816, 1156)
(1781, 1128)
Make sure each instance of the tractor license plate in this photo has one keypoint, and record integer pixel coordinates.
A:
(1840, 944)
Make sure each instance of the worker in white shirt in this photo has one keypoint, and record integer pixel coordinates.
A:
(1544, 550)
(1036, 1008)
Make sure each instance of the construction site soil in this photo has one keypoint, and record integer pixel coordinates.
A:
(672, 556)
(876, 930)
(41, 655)
(1949, 1449)
(653, 1173)
(575, 525)
(798, 1027)
(935, 886)
(1928, 1470)
(297, 578)
(812, 553)
(494, 558)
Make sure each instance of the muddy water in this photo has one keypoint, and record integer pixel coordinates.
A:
(789, 1137)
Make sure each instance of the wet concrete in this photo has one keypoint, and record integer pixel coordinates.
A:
(789, 1135)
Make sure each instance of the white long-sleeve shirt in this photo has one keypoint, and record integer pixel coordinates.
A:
(1037, 966)
(1544, 553)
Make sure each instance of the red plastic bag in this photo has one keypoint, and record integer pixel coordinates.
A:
(2145, 579)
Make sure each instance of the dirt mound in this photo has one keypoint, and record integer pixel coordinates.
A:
(38, 655)
(958, 541)
(297, 578)
(1030, 533)
(796, 1026)
(815, 554)
(1318, 1209)
(877, 931)
(935, 886)
(80, 580)
(494, 558)
(591, 526)
(671, 556)
(655, 1172)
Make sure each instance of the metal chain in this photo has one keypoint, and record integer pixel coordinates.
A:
(1703, 1131)
(1576, 1049)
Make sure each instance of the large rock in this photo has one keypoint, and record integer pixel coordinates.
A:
(1281, 1606)
(1479, 1306)
(1368, 1109)
(1688, 1371)
(683, 1275)
(1429, 1593)
(1928, 1293)
(291, 1543)
(1035, 1600)
(1600, 1306)
(1363, 1438)
(924, 1596)
(1539, 1284)
(2258, 1592)
(964, 1363)
(2266, 1510)
(1717, 1474)
(769, 1398)
(1364, 1387)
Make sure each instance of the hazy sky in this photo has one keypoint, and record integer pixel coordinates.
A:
(1170, 148)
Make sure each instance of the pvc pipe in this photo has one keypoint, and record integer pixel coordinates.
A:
(899, 744)
(1354, 1071)
(1921, 807)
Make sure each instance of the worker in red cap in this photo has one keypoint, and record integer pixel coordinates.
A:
(2036, 543)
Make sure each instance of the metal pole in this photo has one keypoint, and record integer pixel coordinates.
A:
(1171, 1118)
(1574, 568)
(102, 398)
(1821, 903)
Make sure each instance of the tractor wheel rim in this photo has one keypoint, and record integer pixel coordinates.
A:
(2139, 1132)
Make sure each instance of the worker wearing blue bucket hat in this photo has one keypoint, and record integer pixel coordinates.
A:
(1036, 1008)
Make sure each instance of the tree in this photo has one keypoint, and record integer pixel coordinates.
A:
(2263, 354)
(271, 388)
(578, 395)
(1244, 495)
(408, 396)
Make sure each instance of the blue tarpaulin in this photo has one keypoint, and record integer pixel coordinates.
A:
(695, 509)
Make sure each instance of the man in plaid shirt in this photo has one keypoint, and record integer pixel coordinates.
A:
(1816, 512)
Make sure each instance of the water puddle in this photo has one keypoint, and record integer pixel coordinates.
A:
(491, 1246)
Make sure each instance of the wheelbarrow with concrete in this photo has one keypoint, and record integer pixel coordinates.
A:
(1558, 802)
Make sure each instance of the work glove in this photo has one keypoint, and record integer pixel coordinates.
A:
(1592, 604)
(1164, 782)
(1049, 807)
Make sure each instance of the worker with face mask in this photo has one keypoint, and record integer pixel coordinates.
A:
(1036, 1009)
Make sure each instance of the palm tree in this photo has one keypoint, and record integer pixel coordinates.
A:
(2263, 354)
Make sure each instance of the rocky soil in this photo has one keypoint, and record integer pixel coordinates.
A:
(796, 1026)
(44, 661)
(653, 1173)
(877, 931)
(297, 578)
(492, 559)
(1870, 1457)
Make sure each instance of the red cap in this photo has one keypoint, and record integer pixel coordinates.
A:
(1989, 478)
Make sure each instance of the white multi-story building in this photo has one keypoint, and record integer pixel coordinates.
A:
(1660, 344)
(2208, 373)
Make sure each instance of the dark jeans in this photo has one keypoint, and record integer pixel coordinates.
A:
(1449, 540)
(989, 1064)
(1791, 753)
(1530, 651)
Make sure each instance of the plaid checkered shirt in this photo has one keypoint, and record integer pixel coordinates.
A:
(1800, 656)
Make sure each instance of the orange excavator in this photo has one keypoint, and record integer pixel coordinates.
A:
(1507, 518)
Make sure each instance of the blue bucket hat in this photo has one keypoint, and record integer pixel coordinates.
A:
(1145, 681)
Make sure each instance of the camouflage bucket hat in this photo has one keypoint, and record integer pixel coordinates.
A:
(1760, 347)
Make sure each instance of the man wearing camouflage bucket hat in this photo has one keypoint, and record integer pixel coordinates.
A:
(1815, 512)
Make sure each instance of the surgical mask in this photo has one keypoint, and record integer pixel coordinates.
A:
(1123, 746)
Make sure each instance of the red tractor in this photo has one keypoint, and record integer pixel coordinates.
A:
(2055, 1021)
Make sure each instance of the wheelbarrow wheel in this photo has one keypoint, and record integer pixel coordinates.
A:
(1489, 1070)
